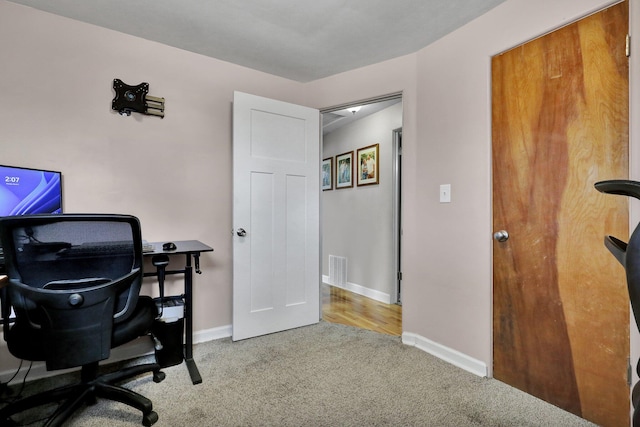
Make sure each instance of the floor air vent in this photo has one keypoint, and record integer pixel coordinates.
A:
(337, 270)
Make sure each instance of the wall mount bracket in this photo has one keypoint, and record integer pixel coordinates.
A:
(135, 99)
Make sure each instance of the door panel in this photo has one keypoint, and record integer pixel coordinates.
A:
(276, 192)
(561, 309)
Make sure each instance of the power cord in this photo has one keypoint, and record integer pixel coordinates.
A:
(4, 387)
(6, 390)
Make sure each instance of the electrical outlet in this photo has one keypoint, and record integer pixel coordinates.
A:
(445, 193)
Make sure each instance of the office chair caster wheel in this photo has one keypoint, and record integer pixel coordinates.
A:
(158, 376)
(149, 419)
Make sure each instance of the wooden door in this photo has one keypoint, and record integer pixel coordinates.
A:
(276, 204)
(561, 309)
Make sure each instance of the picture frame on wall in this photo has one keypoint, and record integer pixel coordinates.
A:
(368, 165)
(327, 174)
(344, 170)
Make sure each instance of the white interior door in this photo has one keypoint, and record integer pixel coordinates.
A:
(276, 193)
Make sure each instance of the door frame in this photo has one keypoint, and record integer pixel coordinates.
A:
(634, 142)
(633, 170)
(395, 297)
(634, 165)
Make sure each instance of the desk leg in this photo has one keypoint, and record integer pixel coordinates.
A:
(188, 349)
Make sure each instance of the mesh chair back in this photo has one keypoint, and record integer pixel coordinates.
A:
(71, 277)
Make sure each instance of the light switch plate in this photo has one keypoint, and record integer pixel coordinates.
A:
(445, 193)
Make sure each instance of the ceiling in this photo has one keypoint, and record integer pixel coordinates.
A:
(336, 119)
(301, 40)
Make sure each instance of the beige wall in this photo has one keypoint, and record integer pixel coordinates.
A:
(446, 268)
(454, 307)
(175, 173)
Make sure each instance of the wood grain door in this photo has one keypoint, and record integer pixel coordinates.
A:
(561, 308)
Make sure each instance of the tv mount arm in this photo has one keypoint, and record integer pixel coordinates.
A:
(135, 99)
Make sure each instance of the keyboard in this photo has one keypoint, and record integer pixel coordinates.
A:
(97, 249)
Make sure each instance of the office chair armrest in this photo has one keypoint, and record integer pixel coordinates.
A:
(620, 187)
(618, 249)
(24, 297)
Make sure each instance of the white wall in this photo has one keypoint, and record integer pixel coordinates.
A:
(358, 221)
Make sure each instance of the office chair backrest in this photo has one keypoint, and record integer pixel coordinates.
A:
(72, 276)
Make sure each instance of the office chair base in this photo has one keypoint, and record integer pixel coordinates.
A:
(86, 393)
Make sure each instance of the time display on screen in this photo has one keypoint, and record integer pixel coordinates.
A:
(11, 180)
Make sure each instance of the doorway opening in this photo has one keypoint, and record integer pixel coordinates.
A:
(361, 218)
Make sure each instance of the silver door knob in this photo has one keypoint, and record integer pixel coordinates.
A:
(241, 232)
(501, 236)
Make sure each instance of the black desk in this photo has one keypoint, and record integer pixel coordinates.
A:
(188, 248)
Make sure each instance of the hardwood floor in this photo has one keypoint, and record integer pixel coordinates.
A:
(348, 308)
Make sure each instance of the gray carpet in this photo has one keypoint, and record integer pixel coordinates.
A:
(326, 375)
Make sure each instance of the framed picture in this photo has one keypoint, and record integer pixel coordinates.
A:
(368, 165)
(344, 170)
(327, 174)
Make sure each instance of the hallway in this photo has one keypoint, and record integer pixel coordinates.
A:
(348, 308)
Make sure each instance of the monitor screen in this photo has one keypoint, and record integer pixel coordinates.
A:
(29, 191)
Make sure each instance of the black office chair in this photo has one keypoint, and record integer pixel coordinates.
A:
(74, 283)
(628, 254)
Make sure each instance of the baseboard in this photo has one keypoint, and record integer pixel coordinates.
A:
(137, 348)
(212, 334)
(447, 354)
(142, 347)
(361, 290)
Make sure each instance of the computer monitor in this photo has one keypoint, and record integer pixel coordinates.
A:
(29, 191)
